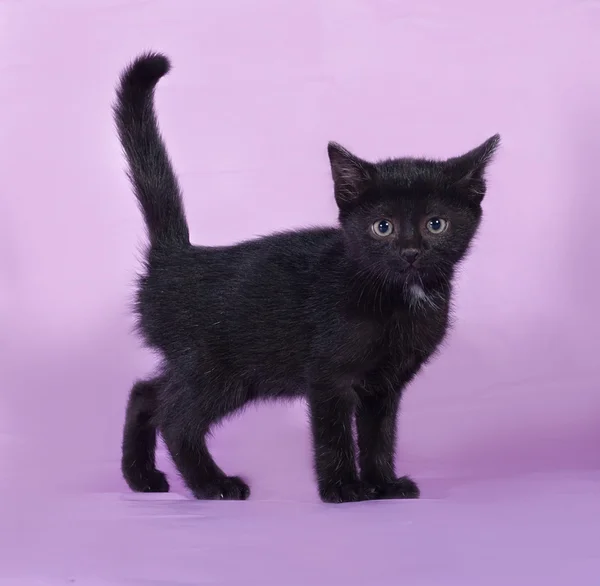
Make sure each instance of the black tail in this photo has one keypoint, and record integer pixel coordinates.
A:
(150, 171)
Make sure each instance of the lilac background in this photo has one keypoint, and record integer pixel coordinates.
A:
(502, 430)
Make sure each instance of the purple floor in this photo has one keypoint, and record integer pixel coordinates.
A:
(540, 529)
(502, 430)
(526, 514)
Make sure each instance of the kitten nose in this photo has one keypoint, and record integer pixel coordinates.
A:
(410, 255)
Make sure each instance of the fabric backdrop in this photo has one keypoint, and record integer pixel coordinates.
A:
(257, 90)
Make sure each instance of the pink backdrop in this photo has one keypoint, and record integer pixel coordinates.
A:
(257, 90)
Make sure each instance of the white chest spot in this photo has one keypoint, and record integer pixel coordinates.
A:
(419, 299)
(418, 294)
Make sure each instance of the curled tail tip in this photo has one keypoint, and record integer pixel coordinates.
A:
(146, 70)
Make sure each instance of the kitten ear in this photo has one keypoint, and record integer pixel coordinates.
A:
(468, 171)
(351, 175)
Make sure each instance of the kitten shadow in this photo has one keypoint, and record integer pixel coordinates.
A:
(67, 402)
(537, 452)
(536, 425)
(582, 248)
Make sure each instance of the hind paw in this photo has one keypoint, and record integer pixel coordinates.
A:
(152, 481)
(227, 488)
(157, 482)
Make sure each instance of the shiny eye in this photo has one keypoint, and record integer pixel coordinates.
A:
(382, 228)
(436, 225)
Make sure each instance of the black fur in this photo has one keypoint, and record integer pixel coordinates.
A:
(337, 315)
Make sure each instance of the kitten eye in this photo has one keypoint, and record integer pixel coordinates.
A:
(382, 228)
(436, 225)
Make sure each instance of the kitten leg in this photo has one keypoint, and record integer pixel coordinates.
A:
(198, 469)
(331, 422)
(139, 440)
(376, 429)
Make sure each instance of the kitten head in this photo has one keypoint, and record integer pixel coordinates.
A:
(410, 220)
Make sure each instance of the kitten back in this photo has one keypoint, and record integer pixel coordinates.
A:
(150, 171)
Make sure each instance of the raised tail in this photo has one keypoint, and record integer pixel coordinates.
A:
(150, 170)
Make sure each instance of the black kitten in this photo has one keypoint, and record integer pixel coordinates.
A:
(342, 316)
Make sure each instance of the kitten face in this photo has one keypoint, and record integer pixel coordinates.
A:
(410, 220)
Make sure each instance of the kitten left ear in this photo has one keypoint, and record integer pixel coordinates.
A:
(351, 175)
(468, 171)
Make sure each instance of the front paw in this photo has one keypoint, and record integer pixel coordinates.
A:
(400, 488)
(350, 492)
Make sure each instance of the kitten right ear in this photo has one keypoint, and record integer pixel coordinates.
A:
(351, 175)
(468, 170)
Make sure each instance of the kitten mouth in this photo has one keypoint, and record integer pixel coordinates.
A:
(412, 273)
(413, 276)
